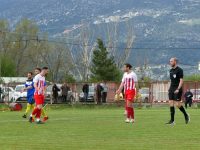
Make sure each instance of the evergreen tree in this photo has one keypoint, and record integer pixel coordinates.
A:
(103, 66)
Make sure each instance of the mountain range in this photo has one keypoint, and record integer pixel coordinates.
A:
(162, 28)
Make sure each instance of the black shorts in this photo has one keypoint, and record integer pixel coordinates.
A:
(175, 96)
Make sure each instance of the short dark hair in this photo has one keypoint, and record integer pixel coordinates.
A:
(128, 65)
(176, 59)
(39, 69)
(30, 73)
(45, 68)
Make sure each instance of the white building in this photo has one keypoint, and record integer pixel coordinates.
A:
(7, 80)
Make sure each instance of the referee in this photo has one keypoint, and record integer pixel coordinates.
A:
(175, 91)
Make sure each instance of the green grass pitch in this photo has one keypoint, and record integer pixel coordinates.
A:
(100, 129)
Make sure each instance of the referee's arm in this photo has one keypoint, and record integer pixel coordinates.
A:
(180, 85)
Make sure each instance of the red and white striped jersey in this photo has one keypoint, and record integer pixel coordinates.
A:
(40, 81)
(129, 80)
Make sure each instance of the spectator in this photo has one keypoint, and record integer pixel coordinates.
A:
(55, 90)
(104, 92)
(188, 98)
(85, 90)
(99, 90)
(65, 88)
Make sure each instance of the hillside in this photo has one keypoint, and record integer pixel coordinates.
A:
(162, 28)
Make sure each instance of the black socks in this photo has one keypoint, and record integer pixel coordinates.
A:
(172, 110)
(183, 111)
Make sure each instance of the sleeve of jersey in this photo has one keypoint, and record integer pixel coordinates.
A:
(35, 80)
(181, 73)
(26, 85)
(32, 84)
(123, 78)
(135, 78)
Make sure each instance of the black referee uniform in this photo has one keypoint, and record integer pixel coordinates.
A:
(176, 74)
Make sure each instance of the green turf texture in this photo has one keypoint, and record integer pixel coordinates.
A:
(100, 129)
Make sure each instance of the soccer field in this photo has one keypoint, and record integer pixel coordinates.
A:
(100, 129)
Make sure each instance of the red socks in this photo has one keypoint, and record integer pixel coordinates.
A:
(36, 112)
(130, 112)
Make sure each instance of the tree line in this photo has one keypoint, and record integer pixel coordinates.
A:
(25, 47)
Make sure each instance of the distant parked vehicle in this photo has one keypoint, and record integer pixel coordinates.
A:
(144, 94)
(48, 94)
(91, 95)
(7, 94)
(18, 95)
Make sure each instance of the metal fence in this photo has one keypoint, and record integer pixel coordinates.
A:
(76, 89)
(159, 91)
(154, 92)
